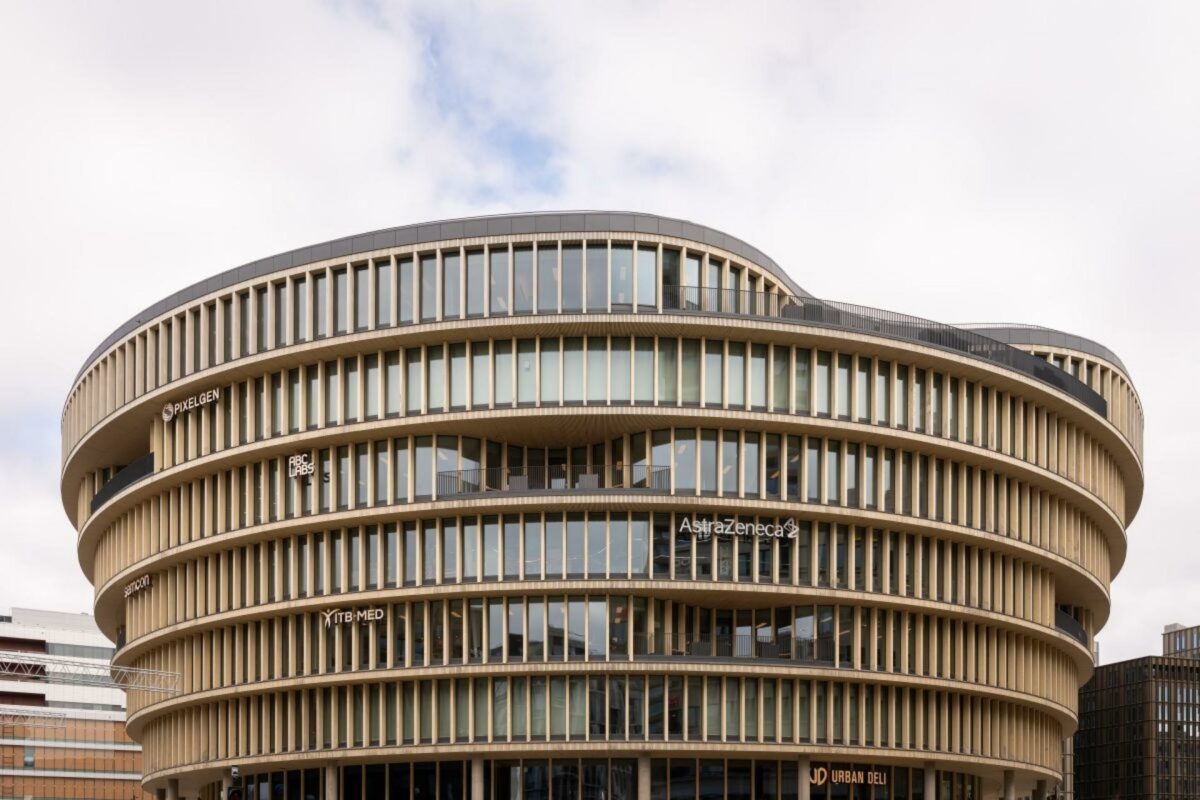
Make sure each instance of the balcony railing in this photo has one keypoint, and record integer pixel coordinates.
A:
(1070, 626)
(553, 479)
(812, 311)
(808, 650)
(126, 476)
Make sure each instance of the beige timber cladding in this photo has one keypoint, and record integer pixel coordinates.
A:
(503, 457)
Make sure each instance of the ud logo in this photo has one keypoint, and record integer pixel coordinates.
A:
(818, 775)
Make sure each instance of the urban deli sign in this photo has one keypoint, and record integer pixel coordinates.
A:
(704, 528)
(172, 410)
(346, 616)
(135, 586)
(819, 776)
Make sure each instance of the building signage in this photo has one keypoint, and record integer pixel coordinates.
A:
(300, 466)
(704, 528)
(171, 410)
(343, 616)
(871, 777)
(133, 587)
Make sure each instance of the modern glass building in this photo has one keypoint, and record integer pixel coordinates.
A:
(594, 505)
(1139, 725)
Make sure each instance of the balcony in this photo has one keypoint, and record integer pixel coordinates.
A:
(559, 478)
(1067, 624)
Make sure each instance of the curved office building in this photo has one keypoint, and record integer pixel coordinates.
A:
(593, 506)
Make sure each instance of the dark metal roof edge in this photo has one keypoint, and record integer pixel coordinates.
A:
(422, 232)
(1049, 337)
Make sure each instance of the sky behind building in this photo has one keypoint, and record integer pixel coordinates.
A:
(1017, 162)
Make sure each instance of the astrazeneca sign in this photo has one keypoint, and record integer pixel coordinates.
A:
(171, 410)
(704, 528)
(345, 616)
(133, 587)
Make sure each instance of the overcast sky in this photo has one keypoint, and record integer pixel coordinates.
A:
(1023, 162)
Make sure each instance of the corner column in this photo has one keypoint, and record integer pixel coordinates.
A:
(1010, 785)
(805, 778)
(931, 781)
(173, 789)
(643, 777)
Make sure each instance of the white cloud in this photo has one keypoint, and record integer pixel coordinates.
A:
(1026, 162)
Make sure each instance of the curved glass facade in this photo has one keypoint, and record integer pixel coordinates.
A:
(486, 519)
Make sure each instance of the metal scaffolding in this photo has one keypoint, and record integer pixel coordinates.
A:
(31, 717)
(53, 669)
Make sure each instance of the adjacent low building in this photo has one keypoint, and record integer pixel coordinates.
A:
(599, 506)
(1139, 726)
(86, 752)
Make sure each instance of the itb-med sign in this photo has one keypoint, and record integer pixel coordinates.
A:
(704, 528)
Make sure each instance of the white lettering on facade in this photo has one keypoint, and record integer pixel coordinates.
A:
(171, 410)
(343, 616)
(704, 528)
(133, 587)
(299, 466)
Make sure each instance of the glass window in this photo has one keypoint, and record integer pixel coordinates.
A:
(458, 375)
(597, 277)
(573, 384)
(371, 390)
(758, 376)
(691, 281)
(320, 307)
(708, 461)
(331, 393)
(383, 294)
(622, 276)
(498, 278)
(685, 460)
(341, 300)
(429, 287)
(351, 395)
(423, 467)
(522, 280)
(362, 298)
(405, 290)
(647, 277)
(435, 378)
(643, 370)
(883, 394)
(526, 370)
(668, 371)
(597, 369)
(281, 308)
(736, 384)
(690, 375)
(572, 277)
(554, 546)
(833, 473)
(801, 378)
(475, 283)
(750, 465)
(480, 365)
(729, 462)
(670, 278)
(451, 284)
(843, 386)
(779, 378)
(548, 274)
(620, 384)
(823, 385)
(714, 376)
(299, 313)
(551, 366)
(503, 373)
(392, 381)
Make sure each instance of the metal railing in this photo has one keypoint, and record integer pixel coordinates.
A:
(125, 477)
(809, 650)
(555, 478)
(1070, 626)
(849, 316)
